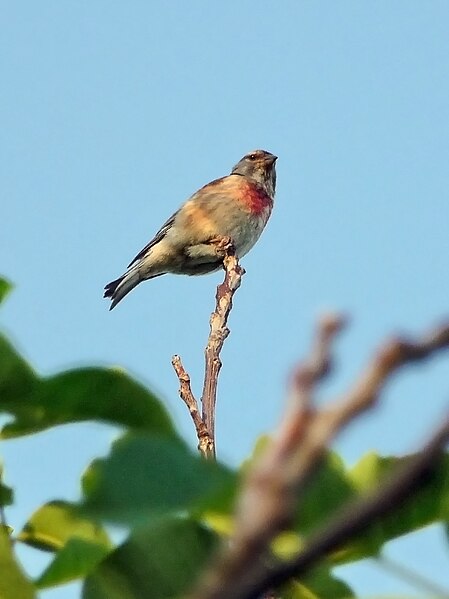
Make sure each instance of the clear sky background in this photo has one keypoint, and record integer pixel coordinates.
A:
(113, 113)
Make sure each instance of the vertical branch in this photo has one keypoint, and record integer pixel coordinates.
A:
(205, 423)
(219, 332)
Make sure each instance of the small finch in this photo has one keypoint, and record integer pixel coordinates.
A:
(237, 206)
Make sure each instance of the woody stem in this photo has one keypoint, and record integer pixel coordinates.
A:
(218, 333)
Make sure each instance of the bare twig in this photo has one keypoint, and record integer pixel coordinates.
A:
(219, 331)
(270, 495)
(205, 443)
(205, 423)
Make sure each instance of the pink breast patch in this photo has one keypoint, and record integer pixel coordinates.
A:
(255, 199)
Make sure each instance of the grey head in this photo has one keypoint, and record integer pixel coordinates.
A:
(258, 165)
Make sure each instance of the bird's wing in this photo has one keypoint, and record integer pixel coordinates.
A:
(159, 235)
(208, 193)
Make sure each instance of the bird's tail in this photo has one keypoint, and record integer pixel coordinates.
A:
(117, 289)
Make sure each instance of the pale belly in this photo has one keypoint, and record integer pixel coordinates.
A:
(246, 236)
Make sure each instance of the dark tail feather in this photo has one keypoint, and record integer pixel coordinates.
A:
(110, 288)
(117, 289)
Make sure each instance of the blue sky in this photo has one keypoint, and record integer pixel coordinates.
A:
(113, 113)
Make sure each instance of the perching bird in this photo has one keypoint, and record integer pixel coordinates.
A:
(237, 206)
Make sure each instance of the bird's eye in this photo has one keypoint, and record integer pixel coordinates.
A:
(252, 157)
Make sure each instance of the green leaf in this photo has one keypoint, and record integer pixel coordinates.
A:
(150, 475)
(297, 590)
(428, 505)
(160, 561)
(13, 583)
(327, 490)
(5, 288)
(6, 493)
(334, 485)
(323, 583)
(17, 379)
(8, 529)
(319, 583)
(52, 525)
(78, 395)
(76, 559)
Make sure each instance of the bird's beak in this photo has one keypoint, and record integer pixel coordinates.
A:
(271, 159)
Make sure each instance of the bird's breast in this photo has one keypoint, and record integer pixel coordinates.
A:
(255, 200)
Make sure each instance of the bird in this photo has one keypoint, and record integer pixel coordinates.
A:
(236, 206)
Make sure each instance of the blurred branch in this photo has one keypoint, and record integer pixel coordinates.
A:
(355, 517)
(270, 494)
(205, 423)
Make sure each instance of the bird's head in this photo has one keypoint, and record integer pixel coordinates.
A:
(258, 165)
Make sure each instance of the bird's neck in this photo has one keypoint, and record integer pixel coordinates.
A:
(267, 181)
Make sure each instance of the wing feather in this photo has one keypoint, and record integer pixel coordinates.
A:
(159, 235)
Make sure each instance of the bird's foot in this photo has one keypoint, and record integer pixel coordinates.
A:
(223, 246)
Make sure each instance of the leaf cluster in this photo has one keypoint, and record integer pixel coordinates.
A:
(175, 507)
